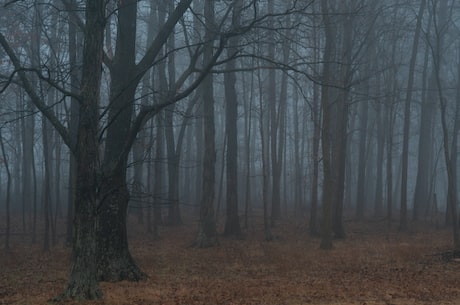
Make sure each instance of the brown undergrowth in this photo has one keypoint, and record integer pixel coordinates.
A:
(371, 266)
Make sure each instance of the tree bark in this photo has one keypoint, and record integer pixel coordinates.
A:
(207, 234)
(83, 282)
(405, 149)
(8, 193)
(232, 220)
(326, 136)
(316, 120)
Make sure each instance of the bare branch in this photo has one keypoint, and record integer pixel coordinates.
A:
(36, 100)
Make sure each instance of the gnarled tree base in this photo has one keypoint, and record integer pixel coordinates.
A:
(120, 268)
(79, 290)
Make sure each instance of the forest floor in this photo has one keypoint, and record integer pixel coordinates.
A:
(373, 265)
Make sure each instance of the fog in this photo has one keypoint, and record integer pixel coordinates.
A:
(227, 115)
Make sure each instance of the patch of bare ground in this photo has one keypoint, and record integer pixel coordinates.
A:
(373, 265)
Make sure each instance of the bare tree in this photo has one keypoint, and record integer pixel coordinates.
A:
(405, 149)
(232, 221)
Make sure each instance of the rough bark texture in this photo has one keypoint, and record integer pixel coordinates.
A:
(83, 282)
(114, 261)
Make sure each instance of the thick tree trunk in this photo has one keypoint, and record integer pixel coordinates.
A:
(405, 149)
(83, 282)
(450, 161)
(114, 261)
(113, 258)
(340, 138)
(207, 234)
(74, 46)
(232, 220)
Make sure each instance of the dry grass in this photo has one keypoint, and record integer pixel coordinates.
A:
(371, 266)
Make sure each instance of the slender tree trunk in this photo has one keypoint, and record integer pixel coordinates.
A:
(326, 223)
(46, 183)
(173, 153)
(339, 152)
(378, 201)
(316, 120)
(425, 155)
(8, 192)
(248, 104)
(360, 194)
(158, 173)
(389, 161)
(274, 124)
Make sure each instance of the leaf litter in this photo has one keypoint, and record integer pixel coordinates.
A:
(371, 266)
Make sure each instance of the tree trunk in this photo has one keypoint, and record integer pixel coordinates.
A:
(158, 173)
(360, 198)
(113, 257)
(274, 124)
(378, 201)
(263, 125)
(326, 136)
(74, 48)
(232, 220)
(437, 52)
(173, 154)
(316, 120)
(340, 138)
(405, 149)
(46, 194)
(425, 151)
(207, 235)
(8, 192)
(114, 261)
(83, 282)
